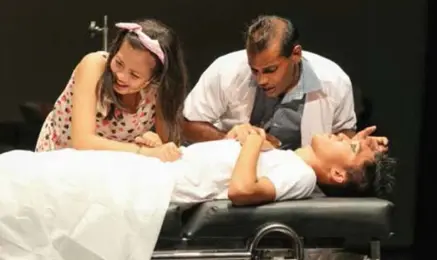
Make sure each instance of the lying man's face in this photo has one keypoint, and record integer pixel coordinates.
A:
(337, 155)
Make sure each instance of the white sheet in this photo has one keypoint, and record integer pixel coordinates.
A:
(93, 205)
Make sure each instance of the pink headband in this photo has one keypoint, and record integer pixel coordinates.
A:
(149, 43)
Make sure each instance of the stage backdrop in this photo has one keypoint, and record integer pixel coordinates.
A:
(380, 44)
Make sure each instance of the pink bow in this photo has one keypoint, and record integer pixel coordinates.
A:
(149, 43)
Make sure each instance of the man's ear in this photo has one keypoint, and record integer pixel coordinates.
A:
(296, 54)
(337, 175)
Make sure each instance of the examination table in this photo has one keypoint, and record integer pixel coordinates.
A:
(219, 230)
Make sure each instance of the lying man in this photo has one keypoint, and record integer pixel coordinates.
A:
(249, 170)
(70, 204)
(246, 170)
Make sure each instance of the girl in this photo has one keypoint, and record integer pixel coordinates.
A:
(114, 98)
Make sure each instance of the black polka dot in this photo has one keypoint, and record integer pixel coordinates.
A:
(113, 131)
(100, 134)
(66, 126)
(130, 131)
(114, 123)
(123, 123)
(99, 115)
(47, 137)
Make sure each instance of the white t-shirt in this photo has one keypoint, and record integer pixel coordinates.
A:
(207, 169)
(225, 93)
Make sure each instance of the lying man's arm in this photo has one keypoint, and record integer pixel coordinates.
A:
(245, 188)
(285, 176)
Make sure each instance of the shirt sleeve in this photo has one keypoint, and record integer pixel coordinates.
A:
(344, 114)
(207, 100)
(292, 179)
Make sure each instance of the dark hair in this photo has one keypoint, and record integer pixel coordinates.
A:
(374, 179)
(266, 28)
(170, 77)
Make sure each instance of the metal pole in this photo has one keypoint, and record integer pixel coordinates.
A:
(191, 255)
(375, 250)
(105, 33)
(243, 254)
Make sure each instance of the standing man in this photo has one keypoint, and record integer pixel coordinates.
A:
(272, 84)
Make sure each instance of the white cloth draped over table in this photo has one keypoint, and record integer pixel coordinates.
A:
(107, 210)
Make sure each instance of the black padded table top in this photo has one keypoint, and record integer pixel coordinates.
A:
(313, 218)
(172, 226)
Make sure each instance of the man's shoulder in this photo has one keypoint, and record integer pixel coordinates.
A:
(292, 177)
(232, 69)
(231, 58)
(333, 79)
(233, 64)
(326, 69)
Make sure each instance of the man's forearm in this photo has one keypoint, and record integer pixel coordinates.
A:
(195, 131)
(244, 176)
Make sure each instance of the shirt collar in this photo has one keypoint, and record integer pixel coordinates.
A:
(308, 82)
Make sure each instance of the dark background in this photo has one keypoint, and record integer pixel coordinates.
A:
(382, 45)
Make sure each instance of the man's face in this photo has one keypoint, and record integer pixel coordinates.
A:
(273, 72)
(338, 153)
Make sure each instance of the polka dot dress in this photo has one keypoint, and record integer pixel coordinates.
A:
(124, 127)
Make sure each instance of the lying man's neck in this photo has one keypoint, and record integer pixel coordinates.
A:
(307, 154)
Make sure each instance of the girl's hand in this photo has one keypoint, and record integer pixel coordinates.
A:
(149, 139)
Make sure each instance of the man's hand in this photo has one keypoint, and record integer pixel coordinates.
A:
(363, 134)
(273, 141)
(376, 143)
(267, 146)
(241, 132)
(256, 139)
(149, 139)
